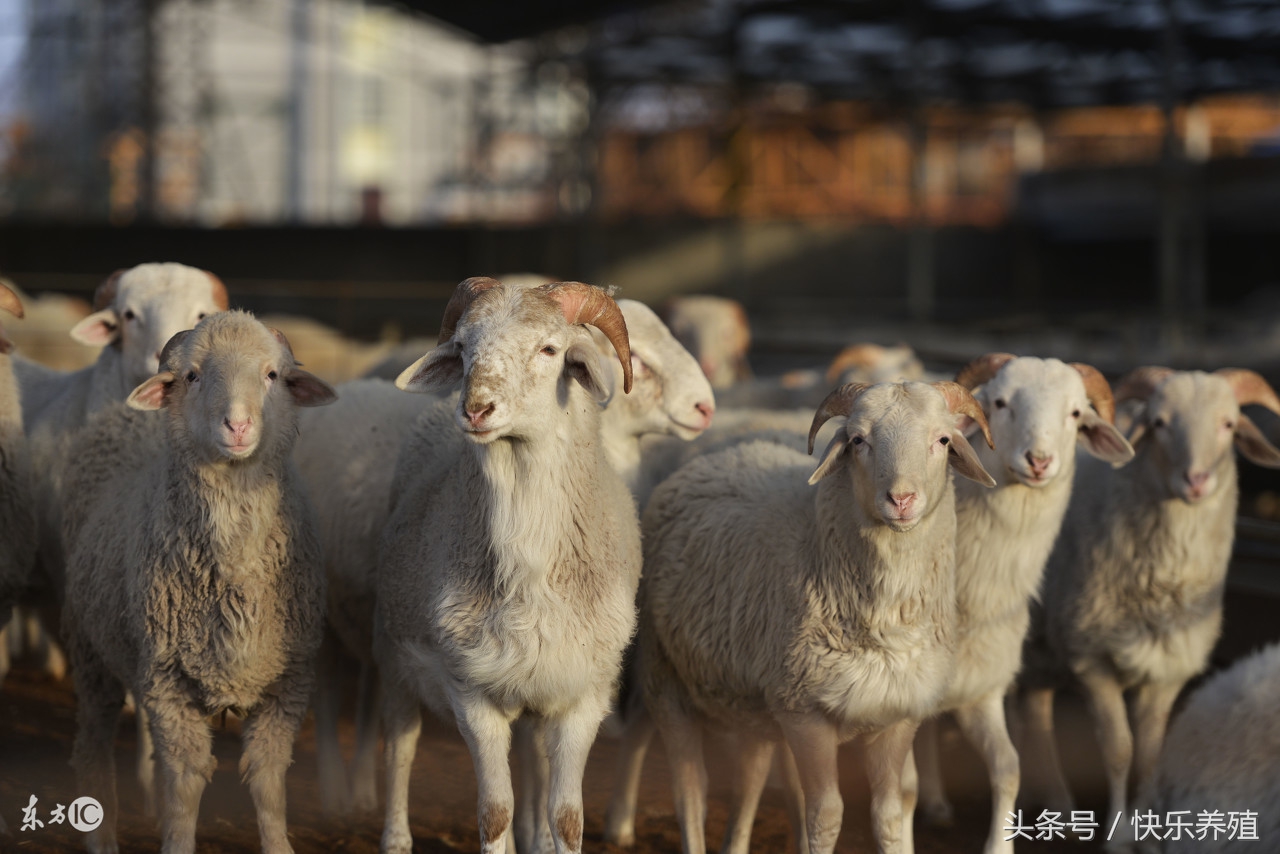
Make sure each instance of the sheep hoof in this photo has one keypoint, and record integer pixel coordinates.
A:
(939, 814)
(396, 841)
(622, 838)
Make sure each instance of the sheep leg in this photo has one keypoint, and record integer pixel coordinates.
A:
(755, 755)
(1111, 723)
(334, 796)
(933, 794)
(794, 795)
(1152, 704)
(401, 725)
(682, 736)
(532, 833)
(910, 797)
(814, 741)
(637, 733)
(569, 740)
(98, 700)
(184, 754)
(268, 735)
(983, 724)
(364, 765)
(487, 732)
(146, 761)
(1046, 785)
(887, 755)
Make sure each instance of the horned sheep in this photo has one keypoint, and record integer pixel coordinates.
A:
(507, 578)
(204, 592)
(773, 610)
(1133, 588)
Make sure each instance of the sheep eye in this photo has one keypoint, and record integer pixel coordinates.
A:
(192, 376)
(946, 440)
(857, 440)
(271, 375)
(1075, 414)
(201, 316)
(1159, 422)
(1230, 425)
(1000, 404)
(549, 350)
(128, 314)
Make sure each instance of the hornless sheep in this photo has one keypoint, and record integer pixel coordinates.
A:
(203, 592)
(507, 577)
(1133, 588)
(1221, 755)
(716, 331)
(1038, 410)
(771, 610)
(346, 455)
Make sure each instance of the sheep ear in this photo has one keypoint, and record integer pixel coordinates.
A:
(961, 456)
(308, 389)
(151, 394)
(583, 364)
(6, 343)
(98, 329)
(1253, 445)
(1103, 440)
(438, 370)
(831, 456)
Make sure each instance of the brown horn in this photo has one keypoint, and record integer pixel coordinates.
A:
(591, 305)
(219, 291)
(1139, 383)
(1098, 390)
(839, 402)
(962, 402)
(1249, 387)
(982, 369)
(105, 294)
(853, 356)
(171, 345)
(9, 301)
(463, 296)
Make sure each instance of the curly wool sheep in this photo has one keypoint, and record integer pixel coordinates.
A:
(507, 578)
(204, 592)
(1134, 585)
(774, 610)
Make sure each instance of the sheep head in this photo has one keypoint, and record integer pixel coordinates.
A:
(518, 352)
(231, 388)
(139, 309)
(1039, 409)
(897, 442)
(1190, 420)
(716, 331)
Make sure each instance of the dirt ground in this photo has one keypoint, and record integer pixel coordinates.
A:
(37, 724)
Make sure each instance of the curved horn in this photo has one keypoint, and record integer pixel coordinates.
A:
(463, 296)
(9, 301)
(1139, 383)
(854, 356)
(1250, 387)
(982, 369)
(171, 345)
(839, 402)
(961, 402)
(219, 291)
(591, 305)
(1098, 390)
(105, 294)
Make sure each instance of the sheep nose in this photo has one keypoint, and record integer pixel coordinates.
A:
(1197, 481)
(238, 428)
(1039, 462)
(902, 500)
(478, 412)
(706, 409)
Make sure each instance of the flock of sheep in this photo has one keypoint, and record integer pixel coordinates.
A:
(204, 540)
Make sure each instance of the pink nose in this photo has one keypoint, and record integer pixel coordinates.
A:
(706, 409)
(238, 428)
(478, 413)
(1039, 463)
(1197, 482)
(902, 501)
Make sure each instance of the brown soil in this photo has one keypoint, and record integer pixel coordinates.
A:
(37, 724)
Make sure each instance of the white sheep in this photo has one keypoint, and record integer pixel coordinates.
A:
(203, 591)
(347, 455)
(507, 577)
(1039, 410)
(1133, 588)
(1221, 756)
(716, 331)
(862, 363)
(772, 610)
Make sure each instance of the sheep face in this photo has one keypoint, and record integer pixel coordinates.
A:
(717, 332)
(1191, 421)
(140, 309)
(671, 394)
(515, 355)
(1038, 409)
(230, 386)
(898, 442)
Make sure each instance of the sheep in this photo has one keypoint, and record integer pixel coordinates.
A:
(771, 611)
(352, 446)
(41, 336)
(508, 569)
(1038, 411)
(1221, 754)
(17, 520)
(716, 331)
(203, 592)
(862, 362)
(1133, 589)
